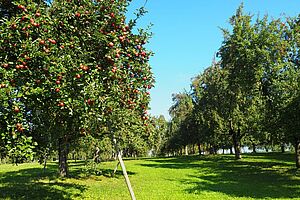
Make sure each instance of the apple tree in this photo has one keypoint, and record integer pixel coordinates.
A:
(72, 68)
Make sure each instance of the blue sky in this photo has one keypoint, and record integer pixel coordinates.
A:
(187, 35)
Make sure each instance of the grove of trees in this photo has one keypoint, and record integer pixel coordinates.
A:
(249, 95)
(75, 77)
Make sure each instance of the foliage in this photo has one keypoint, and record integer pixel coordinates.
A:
(70, 69)
(250, 94)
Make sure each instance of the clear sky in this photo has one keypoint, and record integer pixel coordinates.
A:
(187, 35)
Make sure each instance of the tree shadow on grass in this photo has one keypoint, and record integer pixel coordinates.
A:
(243, 178)
(33, 183)
(80, 170)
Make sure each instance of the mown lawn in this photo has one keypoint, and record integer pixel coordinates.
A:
(259, 176)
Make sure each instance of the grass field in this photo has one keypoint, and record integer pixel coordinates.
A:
(259, 176)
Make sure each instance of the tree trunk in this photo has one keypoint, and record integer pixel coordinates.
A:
(230, 149)
(297, 152)
(236, 144)
(193, 149)
(63, 157)
(254, 147)
(186, 150)
(199, 148)
(267, 149)
(215, 150)
(282, 148)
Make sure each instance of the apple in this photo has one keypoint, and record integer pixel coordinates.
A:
(2, 85)
(5, 65)
(52, 41)
(61, 104)
(143, 53)
(24, 17)
(77, 14)
(36, 24)
(90, 101)
(110, 44)
(57, 82)
(16, 109)
(78, 76)
(37, 14)
(57, 90)
(19, 127)
(21, 7)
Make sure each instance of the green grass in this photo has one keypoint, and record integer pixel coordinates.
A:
(259, 176)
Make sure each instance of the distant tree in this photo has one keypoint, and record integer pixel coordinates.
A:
(180, 110)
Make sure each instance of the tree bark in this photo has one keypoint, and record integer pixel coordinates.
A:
(63, 157)
(236, 144)
(297, 152)
(193, 149)
(282, 148)
(199, 148)
(254, 147)
(230, 149)
(186, 150)
(267, 149)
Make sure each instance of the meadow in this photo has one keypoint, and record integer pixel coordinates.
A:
(256, 176)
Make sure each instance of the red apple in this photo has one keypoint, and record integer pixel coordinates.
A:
(90, 101)
(78, 76)
(77, 14)
(21, 7)
(110, 44)
(5, 65)
(16, 109)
